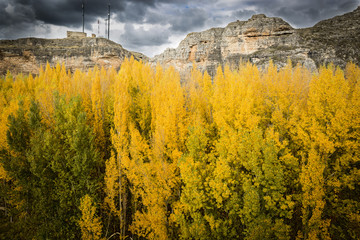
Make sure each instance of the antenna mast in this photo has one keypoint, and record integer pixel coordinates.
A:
(108, 20)
(82, 6)
(105, 27)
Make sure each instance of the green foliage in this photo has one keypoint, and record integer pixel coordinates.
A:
(53, 167)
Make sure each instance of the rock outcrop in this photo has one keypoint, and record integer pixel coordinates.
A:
(263, 38)
(27, 54)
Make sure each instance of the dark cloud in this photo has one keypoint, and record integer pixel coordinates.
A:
(15, 19)
(69, 12)
(11, 13)
(56, 12)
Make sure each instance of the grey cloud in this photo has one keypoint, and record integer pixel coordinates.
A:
(16, 20)
(183, 20)
(13, 13)
(187, 19)
(133, 12)
(243, 14)
(154, 36)
(153, 17)
(303, 13)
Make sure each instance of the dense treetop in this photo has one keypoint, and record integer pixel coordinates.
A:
(138, 153)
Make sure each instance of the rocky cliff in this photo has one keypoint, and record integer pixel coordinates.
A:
(263, 38)
(27, 54)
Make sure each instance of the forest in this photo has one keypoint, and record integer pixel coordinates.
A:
(137, 153)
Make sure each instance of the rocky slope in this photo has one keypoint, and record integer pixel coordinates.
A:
(27, 54)
(263, 38)
(334, 40)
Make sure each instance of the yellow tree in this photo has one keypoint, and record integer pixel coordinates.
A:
(98, 113)
(12, 91)
(161, 181)
(8, 105)
(66, 84)
(200, 90)
(325, 125)
(89, 223)
(46, 85)
(114, 178)
(233, 104)
(249, 179)
(341, 173)
(196, 165)
(284, 95)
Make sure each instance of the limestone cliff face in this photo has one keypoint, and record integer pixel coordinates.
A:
(26, 55)
(263, 38)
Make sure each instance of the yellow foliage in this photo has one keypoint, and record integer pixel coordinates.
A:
(89, 223)
(3, 174)
(247, 153)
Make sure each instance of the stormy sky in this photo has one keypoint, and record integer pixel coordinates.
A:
(151, 26)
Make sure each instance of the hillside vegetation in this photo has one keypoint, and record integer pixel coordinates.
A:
(136, 154)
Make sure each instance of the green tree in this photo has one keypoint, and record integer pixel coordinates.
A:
(52, 168)
(196, 210)
(75, 163)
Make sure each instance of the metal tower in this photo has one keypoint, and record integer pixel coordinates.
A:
(83, 17)
(108, 20)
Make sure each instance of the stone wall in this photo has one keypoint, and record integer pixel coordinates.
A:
(71, 34)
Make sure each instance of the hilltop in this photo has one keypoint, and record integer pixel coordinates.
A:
(27, 54)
